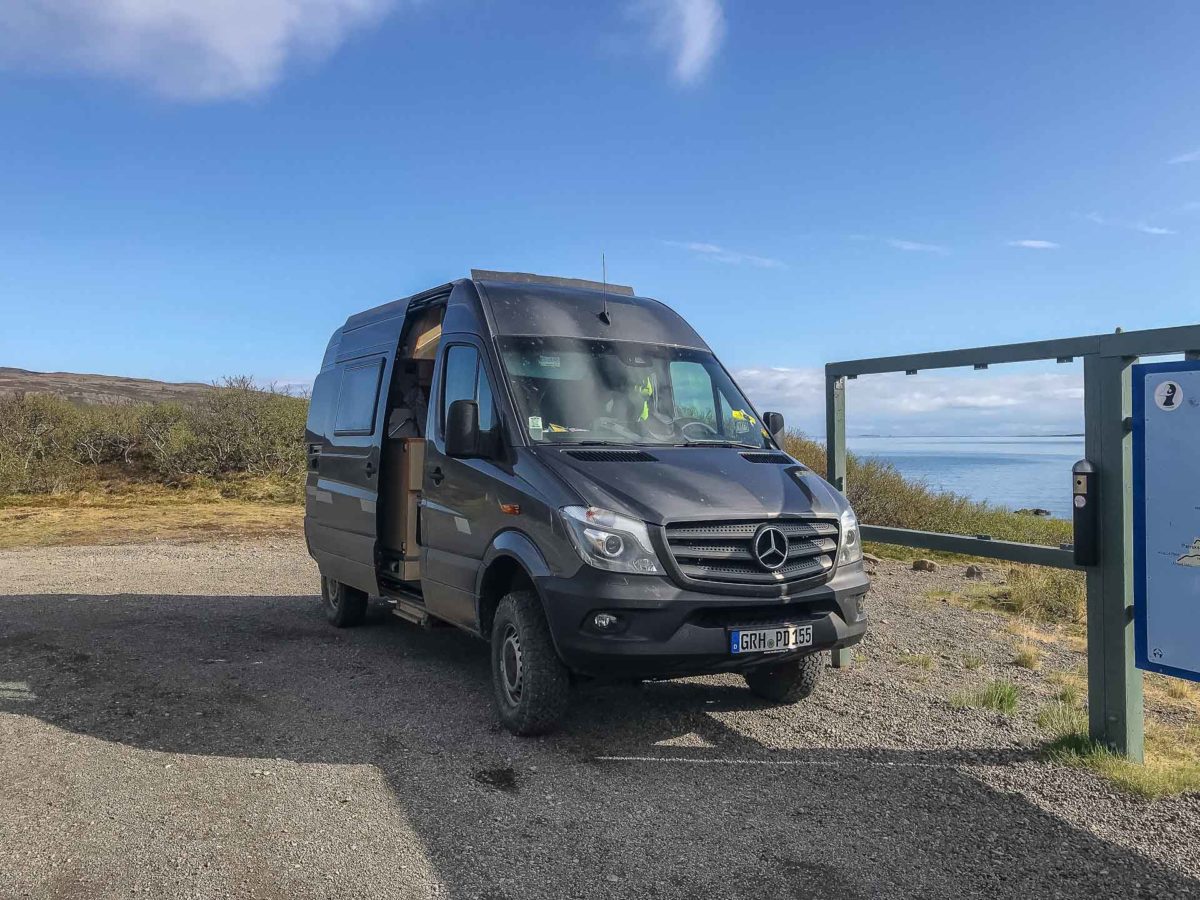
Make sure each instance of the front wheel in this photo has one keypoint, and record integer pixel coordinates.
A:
(345, 606)
(530, 683)
(789, 682)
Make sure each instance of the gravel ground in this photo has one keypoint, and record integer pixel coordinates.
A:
(177, 720)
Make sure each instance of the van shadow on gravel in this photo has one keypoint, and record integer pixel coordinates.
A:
(643, 794)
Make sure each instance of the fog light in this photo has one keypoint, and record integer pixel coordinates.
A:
(606, 621)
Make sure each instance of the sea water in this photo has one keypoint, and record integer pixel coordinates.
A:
(1016, 472)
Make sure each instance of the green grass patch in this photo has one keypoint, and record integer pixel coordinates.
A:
(1070, 694)
(1062, 719)
(972, 661)
(917, 660)
(1172, 763)
(1000, 695)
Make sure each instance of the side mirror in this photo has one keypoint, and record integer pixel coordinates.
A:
(774, 423)
(462, 429)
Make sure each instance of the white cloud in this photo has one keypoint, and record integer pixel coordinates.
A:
(1192, 157)
(690, 31)
(1034, 245)
(1143, 227)
(180, 49)
(928, 403)
(1151, 229)
(733, 257)
(916, 246)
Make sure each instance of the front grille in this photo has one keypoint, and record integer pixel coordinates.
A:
(723, 552)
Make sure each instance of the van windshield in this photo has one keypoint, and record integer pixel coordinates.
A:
(573, 390)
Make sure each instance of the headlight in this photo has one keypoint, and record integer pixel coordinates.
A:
(851, 550)
(611, 541)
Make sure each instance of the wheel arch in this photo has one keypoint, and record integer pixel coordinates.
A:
(512, 561)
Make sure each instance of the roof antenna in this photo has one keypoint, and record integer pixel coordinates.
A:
(604, 316)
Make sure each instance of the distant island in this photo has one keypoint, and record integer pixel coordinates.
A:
(1070, 434)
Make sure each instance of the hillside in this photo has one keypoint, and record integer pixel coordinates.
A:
(99, 389)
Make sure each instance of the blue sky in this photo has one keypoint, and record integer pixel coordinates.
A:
(193, 190)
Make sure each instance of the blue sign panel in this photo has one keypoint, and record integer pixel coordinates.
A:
(1166, 517)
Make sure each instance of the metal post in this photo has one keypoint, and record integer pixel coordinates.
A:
(1115, 714)
(835, 465)
(835, 432)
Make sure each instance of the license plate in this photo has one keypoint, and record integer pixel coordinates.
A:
(770, 640)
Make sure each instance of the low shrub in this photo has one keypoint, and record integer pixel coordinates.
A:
(237, 431)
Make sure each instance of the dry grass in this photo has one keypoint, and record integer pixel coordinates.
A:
(145, 513)
(917, 660)
(1071, 694)
(972, 661)
(1028, 656)
(1171, 693)
(1040, 594)
(1179, 690)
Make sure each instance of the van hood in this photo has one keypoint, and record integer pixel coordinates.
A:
(692, 483)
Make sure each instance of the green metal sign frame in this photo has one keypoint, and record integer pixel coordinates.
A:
(1115, 709)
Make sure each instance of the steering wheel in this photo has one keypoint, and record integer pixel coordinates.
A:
(696, 423)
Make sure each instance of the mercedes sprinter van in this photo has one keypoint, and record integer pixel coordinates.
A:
(565, 470)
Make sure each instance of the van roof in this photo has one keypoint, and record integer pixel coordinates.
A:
(487, 275)
(521, 303)
(548, 310)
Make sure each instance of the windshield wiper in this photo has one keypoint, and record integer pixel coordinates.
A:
(716, 443)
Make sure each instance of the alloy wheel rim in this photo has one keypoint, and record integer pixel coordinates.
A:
(512, 669)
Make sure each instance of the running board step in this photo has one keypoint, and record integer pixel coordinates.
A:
(412, 612)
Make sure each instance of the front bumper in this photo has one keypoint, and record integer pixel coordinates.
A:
(668, 632)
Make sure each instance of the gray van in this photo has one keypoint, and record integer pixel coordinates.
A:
(565, 470)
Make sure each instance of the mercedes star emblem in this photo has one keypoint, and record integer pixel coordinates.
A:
(770, 547)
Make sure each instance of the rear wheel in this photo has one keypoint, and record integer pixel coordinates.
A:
(789, 682)
(344, 606)
(530, 683)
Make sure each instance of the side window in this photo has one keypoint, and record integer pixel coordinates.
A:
(466, 379)
(357, 398)
(458, 381)
(693, 390)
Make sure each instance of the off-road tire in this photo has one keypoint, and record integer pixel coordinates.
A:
(530, 684)
(344, 606)
(789, 682)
